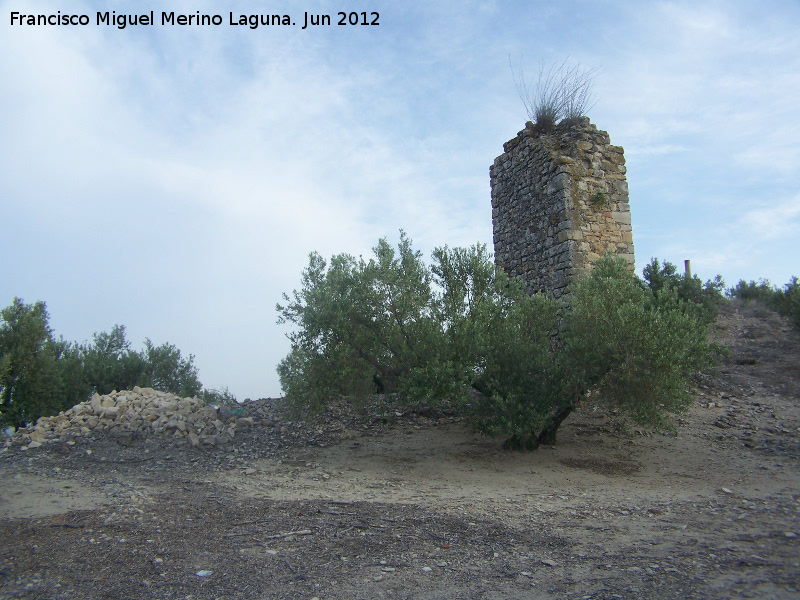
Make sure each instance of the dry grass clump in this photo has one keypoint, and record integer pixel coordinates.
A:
(561, 93)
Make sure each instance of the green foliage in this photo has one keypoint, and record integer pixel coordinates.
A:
(499, 343)
(762, 291)
(702, 299)
(41, 375)
(789, 302)
(219, 397)
(634, 345)
(110, 364)
(516, 365)
(599, 200)
(166, 370)
(38, 374)
(364, 326)
(69, 386)
(618, 341)
(24, 334)
(785, 301)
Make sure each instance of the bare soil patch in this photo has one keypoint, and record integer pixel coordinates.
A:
(408, 503)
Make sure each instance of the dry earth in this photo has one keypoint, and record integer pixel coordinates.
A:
(409, 504)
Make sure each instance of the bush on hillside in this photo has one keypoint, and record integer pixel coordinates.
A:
(704, 299)
(785, 301)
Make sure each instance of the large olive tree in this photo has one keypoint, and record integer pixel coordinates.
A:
(460, 330)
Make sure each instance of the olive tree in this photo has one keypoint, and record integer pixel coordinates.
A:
(462, 331)
(362, 326)
(635, 348)
(39, 374)
(111, 364)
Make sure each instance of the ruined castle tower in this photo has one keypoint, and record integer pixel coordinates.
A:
(559, 201)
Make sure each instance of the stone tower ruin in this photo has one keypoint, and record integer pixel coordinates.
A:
(559, 201)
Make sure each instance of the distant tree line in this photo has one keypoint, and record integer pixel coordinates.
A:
(41, 375)
(785, 301)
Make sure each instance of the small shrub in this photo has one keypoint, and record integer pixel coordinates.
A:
(221, 397)
(762, 291)
(577, 92)
(599, 200)
(702, 299)
(785, 301)
(789, 302)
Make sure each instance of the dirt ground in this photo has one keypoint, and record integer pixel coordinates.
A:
(404, 503)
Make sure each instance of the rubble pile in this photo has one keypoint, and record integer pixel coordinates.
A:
(134, 414)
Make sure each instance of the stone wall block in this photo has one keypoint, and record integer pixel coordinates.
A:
(621, 217)
(547, 229)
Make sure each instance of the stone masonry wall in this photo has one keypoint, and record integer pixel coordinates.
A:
(559, 201)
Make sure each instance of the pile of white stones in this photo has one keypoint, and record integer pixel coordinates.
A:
(137, 413)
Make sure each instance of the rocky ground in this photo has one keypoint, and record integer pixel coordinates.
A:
(403, 503)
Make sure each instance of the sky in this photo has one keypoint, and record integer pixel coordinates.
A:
(173, 179)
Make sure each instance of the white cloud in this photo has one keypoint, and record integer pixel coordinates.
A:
(769, 221)
(175, 180)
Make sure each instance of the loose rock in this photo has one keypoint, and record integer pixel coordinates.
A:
(130, 414)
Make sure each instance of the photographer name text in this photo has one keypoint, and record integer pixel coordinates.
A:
(198, 19)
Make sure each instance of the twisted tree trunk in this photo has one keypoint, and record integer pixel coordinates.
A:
(548, 434)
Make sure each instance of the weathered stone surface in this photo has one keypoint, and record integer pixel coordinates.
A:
(559, 201)
(129, 415)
